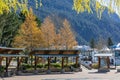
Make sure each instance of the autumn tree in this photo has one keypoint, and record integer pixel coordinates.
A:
(29, 35)
(58, 41)
(67, 36)
(49, 32)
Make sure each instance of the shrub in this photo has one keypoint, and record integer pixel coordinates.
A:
(46, 65)
(26, 66)
(1, 69)
(40, 65)
(56, 65)
(95, 65)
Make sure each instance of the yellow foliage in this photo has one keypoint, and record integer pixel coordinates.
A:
(86, 5)
(99, 9)
(59, 40)
(3, 7)
(29, 35)
(81, 5)
(67, 37)
(10, 5)
(49, 33)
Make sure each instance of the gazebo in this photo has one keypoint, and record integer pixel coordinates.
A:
(103, 58)
(55, 53)
(9, 54)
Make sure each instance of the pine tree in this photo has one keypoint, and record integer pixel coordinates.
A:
(9, 24)
(92, 43)
(110, 42)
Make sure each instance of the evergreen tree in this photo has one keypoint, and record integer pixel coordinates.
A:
(9, 24)
(110, 42)
(92, 43)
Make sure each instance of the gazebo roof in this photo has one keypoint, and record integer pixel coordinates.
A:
(6, 50)
(46, 52)
(13, 55)
(56, 55)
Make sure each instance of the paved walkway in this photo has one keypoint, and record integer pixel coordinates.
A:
(84, 75)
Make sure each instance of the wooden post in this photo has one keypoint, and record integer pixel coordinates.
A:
(18, 65)
(108, 62)
(35, 63)
(62, 62)
(37, 60)
(48, 63)
(31, 60)
(7, 60)
(77, 61)
(99, 62)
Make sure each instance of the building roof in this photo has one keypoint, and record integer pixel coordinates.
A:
(103, 55)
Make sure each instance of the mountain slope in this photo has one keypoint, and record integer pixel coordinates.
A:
(85, 26)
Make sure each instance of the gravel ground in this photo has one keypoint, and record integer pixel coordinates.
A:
(84, 75)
